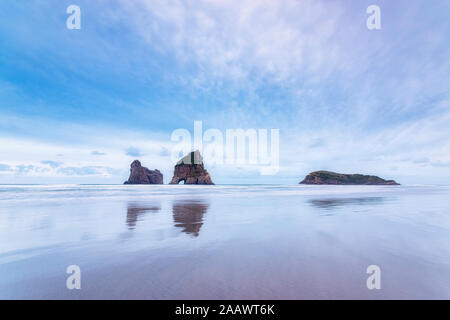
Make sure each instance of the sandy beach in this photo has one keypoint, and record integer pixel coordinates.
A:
(224, 242)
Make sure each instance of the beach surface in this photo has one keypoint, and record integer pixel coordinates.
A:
(224, 242)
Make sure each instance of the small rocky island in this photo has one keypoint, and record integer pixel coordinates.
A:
(190, 170)
(328, 177)
(142, 175)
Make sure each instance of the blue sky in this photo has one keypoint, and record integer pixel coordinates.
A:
(77, 106)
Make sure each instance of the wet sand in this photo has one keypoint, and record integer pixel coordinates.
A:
(224, 242)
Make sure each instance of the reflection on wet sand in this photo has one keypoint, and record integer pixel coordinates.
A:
(134, 211)
(340, 202)
(189, 215)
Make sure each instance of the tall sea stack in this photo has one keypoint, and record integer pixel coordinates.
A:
(190, 170)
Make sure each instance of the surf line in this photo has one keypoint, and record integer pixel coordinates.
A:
(192, 310)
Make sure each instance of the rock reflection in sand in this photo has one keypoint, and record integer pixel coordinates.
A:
(189, 215)
(341, 202)
(136, 211)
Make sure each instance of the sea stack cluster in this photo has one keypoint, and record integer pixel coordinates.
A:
(189, 170)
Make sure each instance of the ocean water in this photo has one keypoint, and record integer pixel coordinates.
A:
(224, 242)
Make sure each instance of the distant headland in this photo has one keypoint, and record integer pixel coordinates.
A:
(333, 178)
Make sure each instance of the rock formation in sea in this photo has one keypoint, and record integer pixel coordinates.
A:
(327, 177)
(190, 170)
(142, 175)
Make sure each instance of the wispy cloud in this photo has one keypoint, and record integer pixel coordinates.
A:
(133, 152)
(244, 42)
(51, 163)
(5, 167)
(98, 153)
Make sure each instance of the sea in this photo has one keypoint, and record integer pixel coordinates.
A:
(224, 242)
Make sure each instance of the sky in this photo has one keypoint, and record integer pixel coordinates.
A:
(78, 106)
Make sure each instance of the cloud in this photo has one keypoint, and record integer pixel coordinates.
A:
(23, 168)
(58, 171)
(317, 143)
(53, 164)
(133, 152)
(5, 167)
(97, 153)
(24, 156)
(441, 164)
(238, 40)
(86, 171)
(307, 63)
(164, 152)
(421, 160)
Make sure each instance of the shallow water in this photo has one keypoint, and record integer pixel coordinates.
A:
(224, 242)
